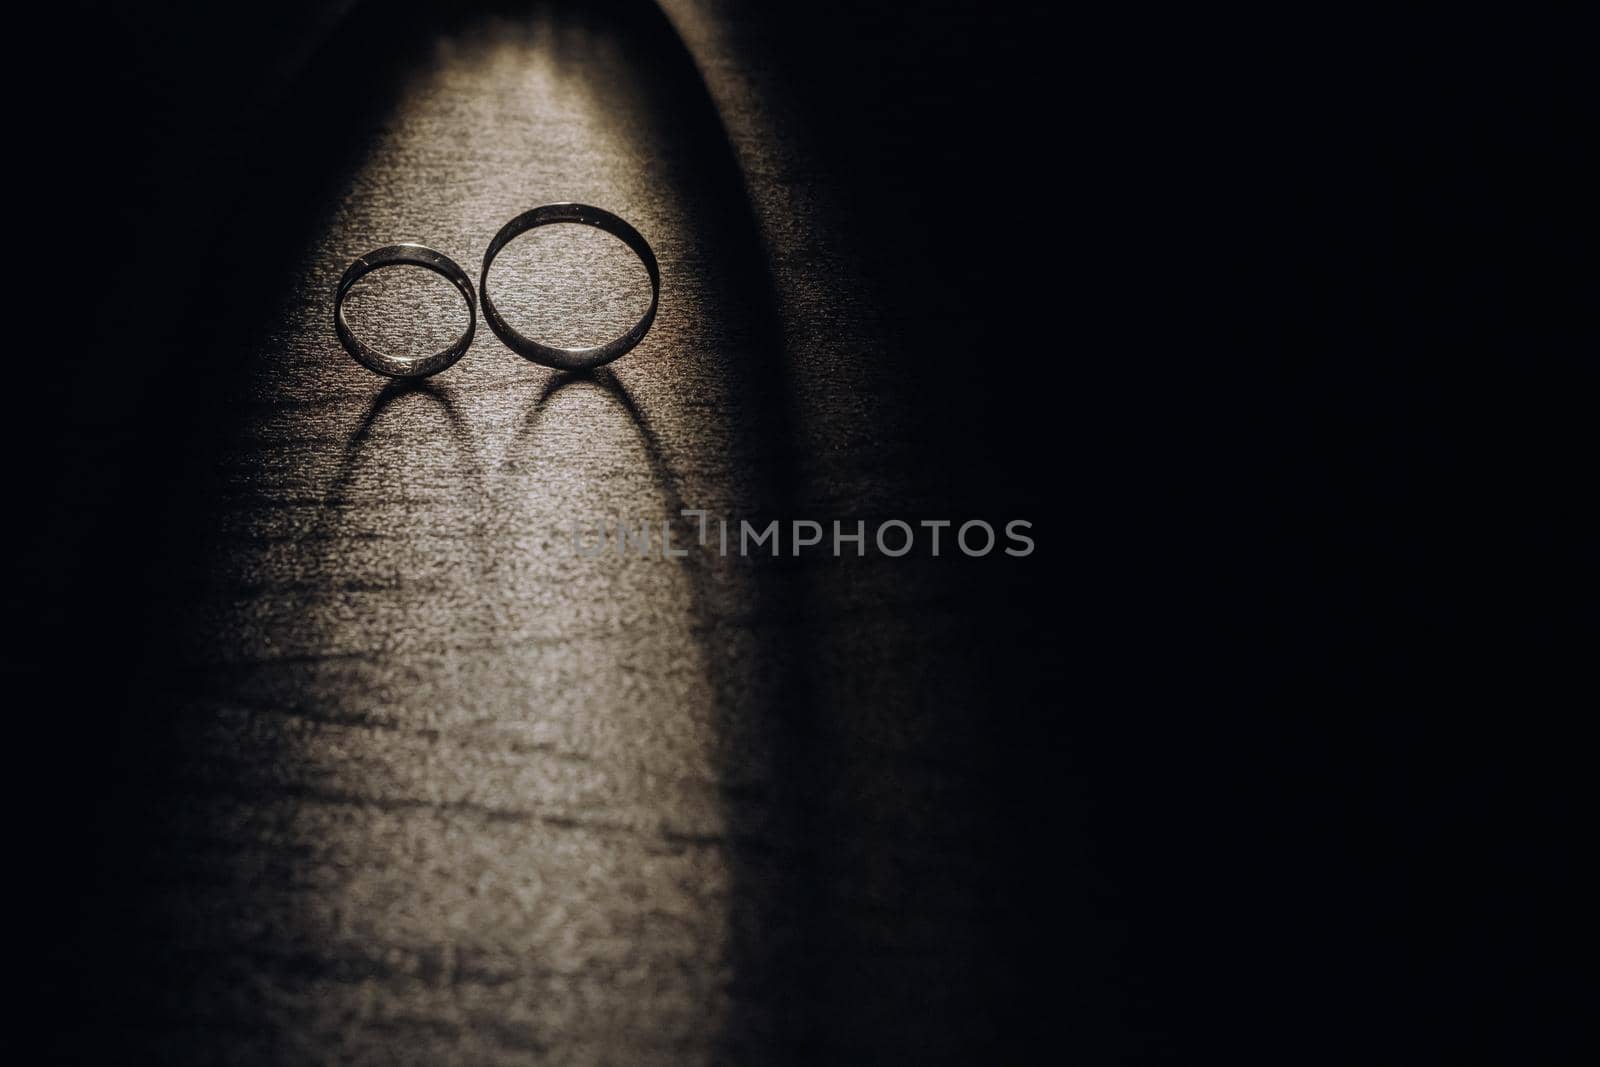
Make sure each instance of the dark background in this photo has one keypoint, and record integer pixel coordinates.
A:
(1266, 775)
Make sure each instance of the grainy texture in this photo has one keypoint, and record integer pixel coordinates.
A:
(442, 789)
(323, 751)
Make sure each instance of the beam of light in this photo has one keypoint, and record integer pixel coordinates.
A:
(470, 782)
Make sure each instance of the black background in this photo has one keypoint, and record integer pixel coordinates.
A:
(1215, 294)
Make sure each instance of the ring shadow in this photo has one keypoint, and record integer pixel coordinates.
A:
(381, 401)
(610, 385)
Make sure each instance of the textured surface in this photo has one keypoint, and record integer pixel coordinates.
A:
(443, 789)
(317, 755)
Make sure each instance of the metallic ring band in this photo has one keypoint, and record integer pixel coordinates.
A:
(416, 256)
(570, 359)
